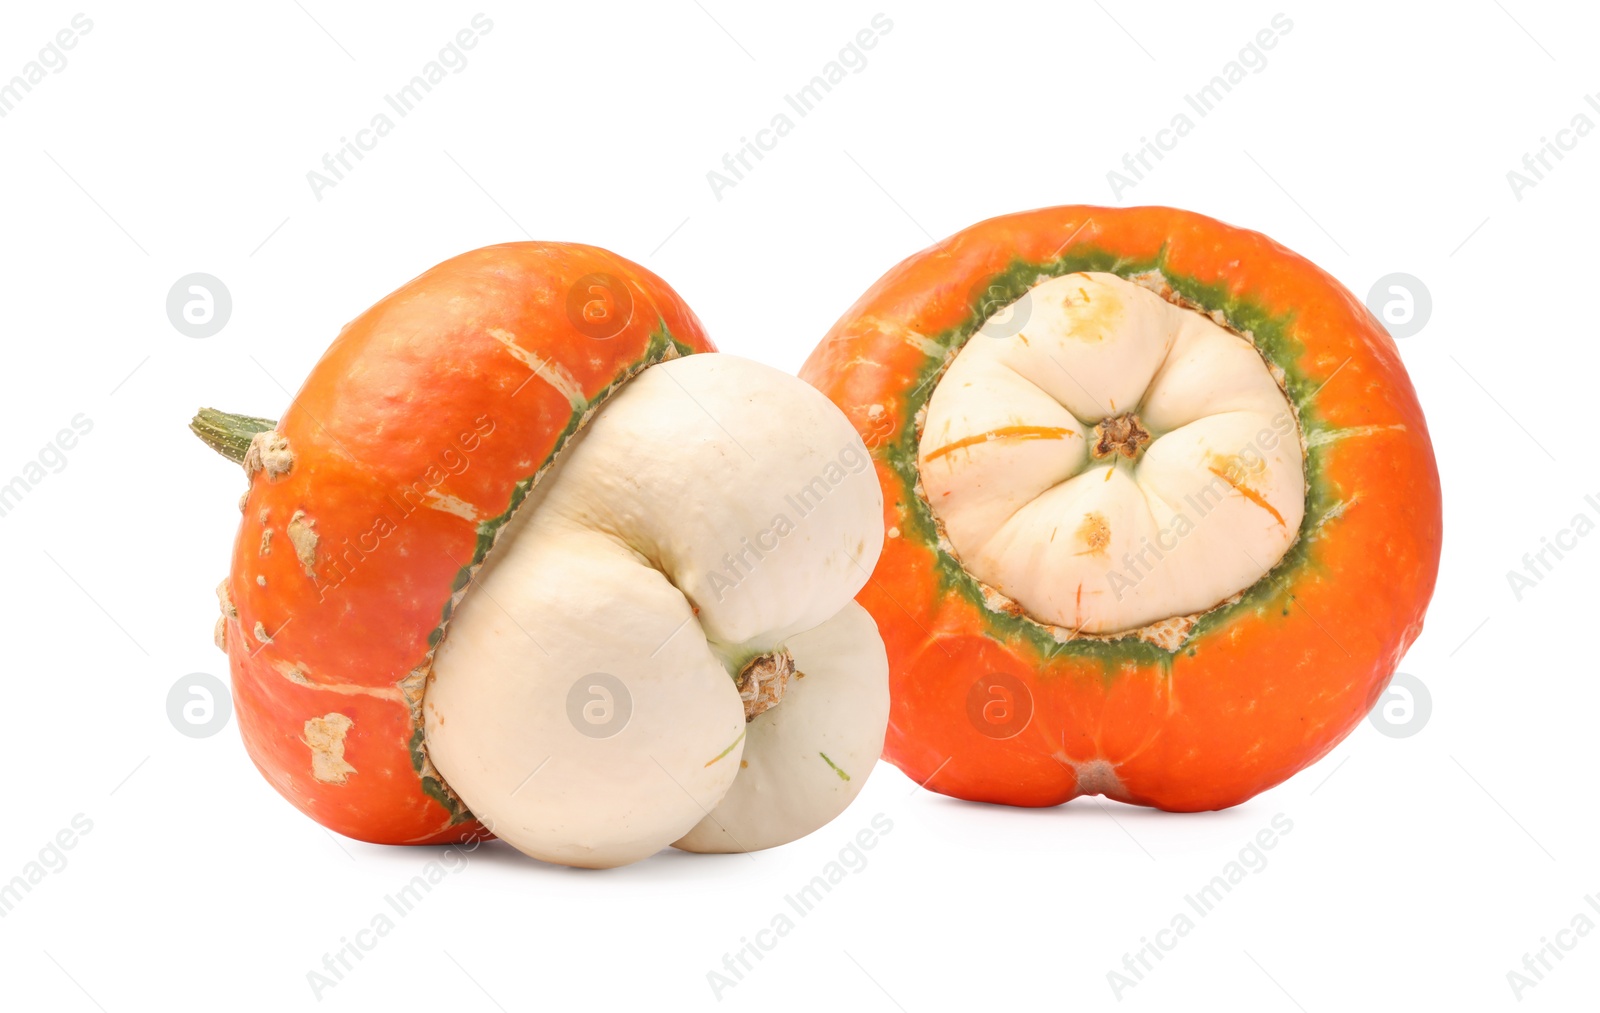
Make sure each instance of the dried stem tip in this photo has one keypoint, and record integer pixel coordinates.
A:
(1121, 434)
(229, 435)
(763, 681)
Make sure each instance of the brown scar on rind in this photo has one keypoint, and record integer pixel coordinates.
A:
(297, 674)
(325, 737)
(225, 600)
(1097, 777)
(304, 540)
(219, 633)
(1170, 633)
(269, 452)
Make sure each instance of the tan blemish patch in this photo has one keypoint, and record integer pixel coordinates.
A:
(269, 452)
(219, 634)
(1088, 319)
(325, 736)
(296, 674)
(262, 636)
(1318, 437)
(266, 542)
(225, 601)
(1097, 777)
(261, 580)
(1153, 281)
(452, 505)
(915, 339)
(304, 540)
(1094, 534)
(1168, 634)
(547, 370)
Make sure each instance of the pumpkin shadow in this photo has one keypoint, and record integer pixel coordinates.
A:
(1251, 811)
(667, 865)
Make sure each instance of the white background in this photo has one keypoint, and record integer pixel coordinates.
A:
(1377, 139)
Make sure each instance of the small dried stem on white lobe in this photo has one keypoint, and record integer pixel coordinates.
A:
(763, 682)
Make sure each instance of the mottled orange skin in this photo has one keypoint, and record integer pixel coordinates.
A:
(415, 394)
(1241, 706)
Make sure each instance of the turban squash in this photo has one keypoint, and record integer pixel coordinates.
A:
(1162, 510)
(516, 560)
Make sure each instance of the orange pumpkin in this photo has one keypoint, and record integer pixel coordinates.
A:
(995, 701)
(383, 488)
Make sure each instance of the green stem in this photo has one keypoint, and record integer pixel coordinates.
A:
(229, 435)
